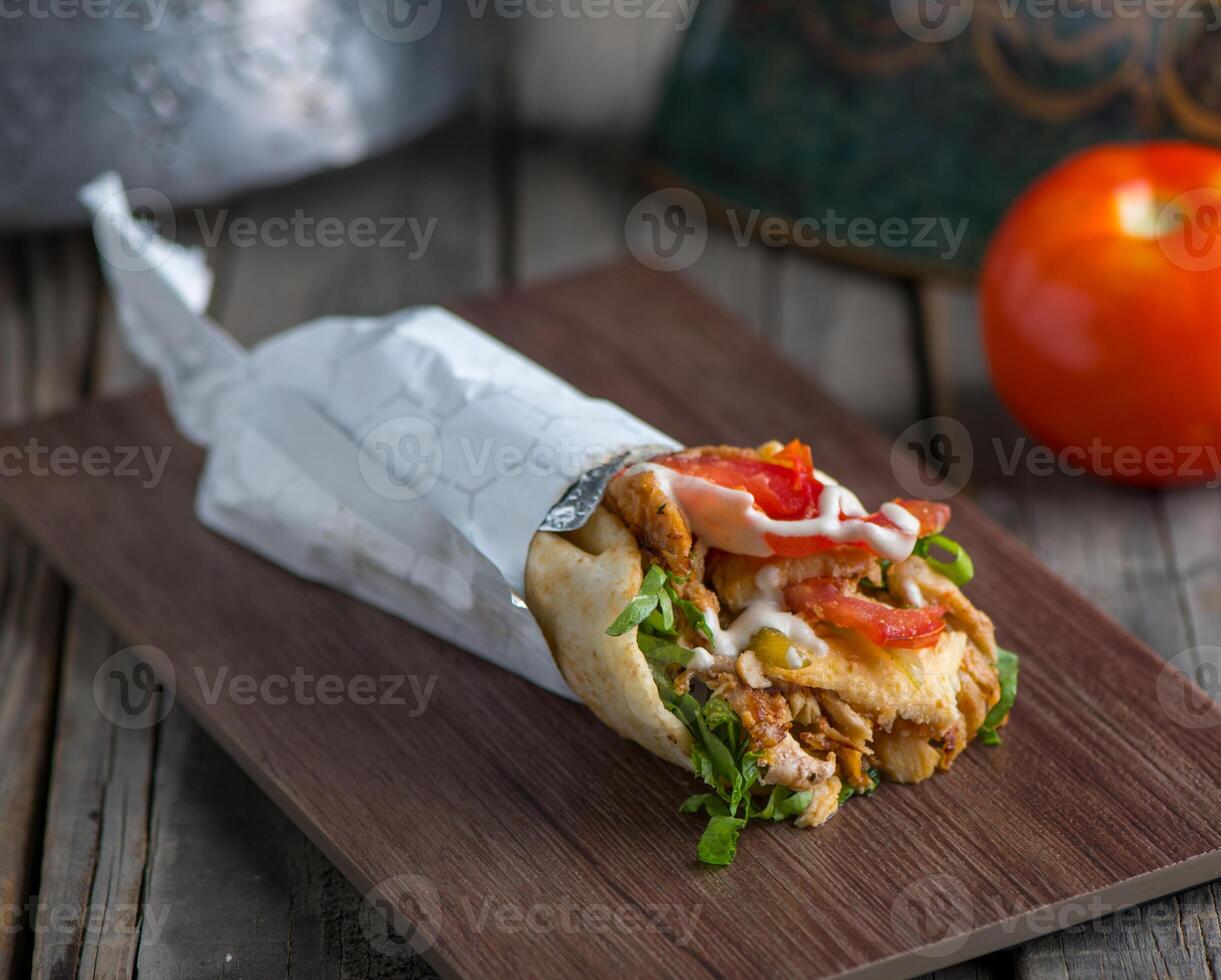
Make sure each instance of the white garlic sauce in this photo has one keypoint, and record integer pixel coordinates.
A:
(729, 520)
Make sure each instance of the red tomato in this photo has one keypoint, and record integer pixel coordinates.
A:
(785, 493)
(823, 599)
(1101, 295)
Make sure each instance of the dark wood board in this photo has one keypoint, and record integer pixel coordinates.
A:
(538, 842)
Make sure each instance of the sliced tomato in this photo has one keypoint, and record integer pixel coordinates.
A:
(785, 493)
(824, 599)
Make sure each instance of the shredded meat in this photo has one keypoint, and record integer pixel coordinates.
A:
(751, 671)
(766, 718)
(765, 714)
(788, 764)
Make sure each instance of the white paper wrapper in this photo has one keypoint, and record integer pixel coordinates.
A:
(406, 459)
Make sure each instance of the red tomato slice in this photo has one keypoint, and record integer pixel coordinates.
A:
(933, 517)
(824, 599)
(786, 493)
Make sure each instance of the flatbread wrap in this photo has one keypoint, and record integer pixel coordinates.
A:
(739, 613)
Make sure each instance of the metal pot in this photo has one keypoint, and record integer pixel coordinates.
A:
(197, 99)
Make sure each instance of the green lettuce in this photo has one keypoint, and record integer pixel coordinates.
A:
(720, 749)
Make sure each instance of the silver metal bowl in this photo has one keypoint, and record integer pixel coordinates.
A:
(197, 99)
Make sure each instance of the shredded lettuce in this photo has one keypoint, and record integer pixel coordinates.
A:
(654, 606)
(960, 570)
(720, 749)
(1007, 669)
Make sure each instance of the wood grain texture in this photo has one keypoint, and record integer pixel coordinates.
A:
(1147, 558)
(47, 307)
(29, 665)
(95, 846)
(1070, 810)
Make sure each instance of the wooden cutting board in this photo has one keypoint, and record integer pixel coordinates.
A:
(506, 832)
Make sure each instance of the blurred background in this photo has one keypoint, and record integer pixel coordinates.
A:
(832, 173)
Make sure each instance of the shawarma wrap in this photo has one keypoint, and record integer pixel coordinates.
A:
(739, 613)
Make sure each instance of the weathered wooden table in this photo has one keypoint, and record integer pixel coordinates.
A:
(150, 851)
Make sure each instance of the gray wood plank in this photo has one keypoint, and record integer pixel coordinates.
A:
(852, 331)
(240, 891)
(29, 654)
(1139, 556)
(47, 306)
(89, 912)
(570, 209)
(16, 358)
(577, 208)
(63, 284)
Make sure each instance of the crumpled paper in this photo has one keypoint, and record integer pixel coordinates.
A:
(406, 459)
